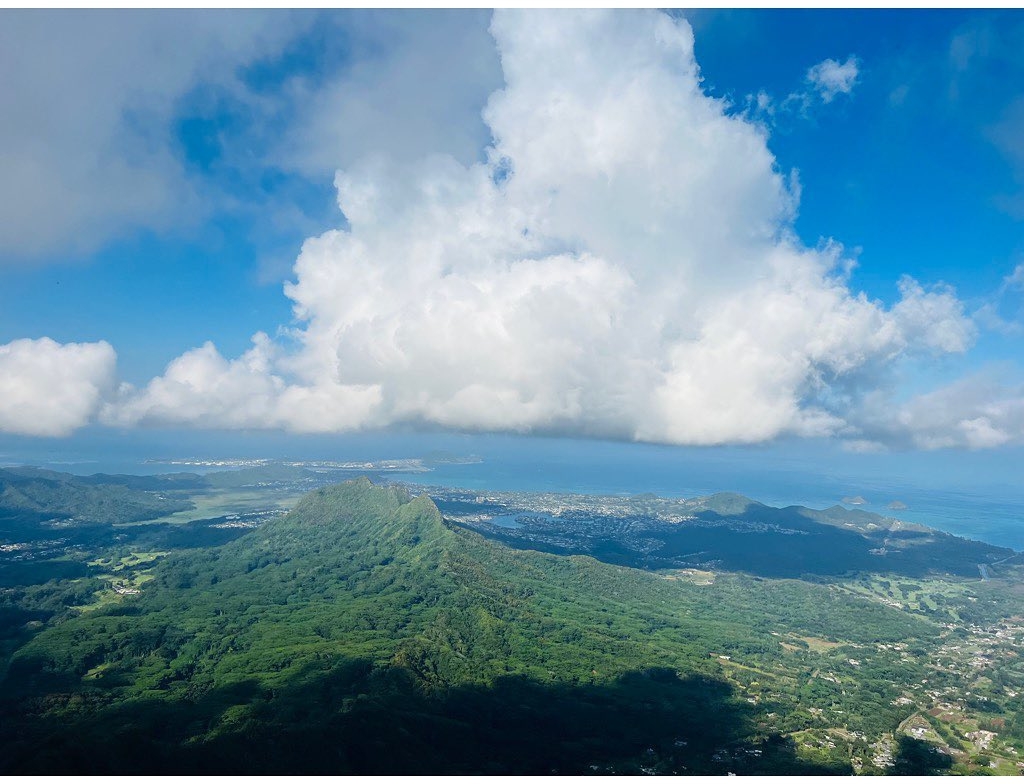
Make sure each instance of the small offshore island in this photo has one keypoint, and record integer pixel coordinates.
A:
(269, 619)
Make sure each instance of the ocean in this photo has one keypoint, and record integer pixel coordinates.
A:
(979, 495)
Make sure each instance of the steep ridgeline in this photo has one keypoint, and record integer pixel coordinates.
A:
(362, 634)
(722, 531)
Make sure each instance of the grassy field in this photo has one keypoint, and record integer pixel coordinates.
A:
(917, 595)
(123, 577)
(217, 503)
(129, 561)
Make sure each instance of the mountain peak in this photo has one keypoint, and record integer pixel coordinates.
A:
(726, 503)
(356, 514)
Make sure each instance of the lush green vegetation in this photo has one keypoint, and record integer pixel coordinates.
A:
(30, 495)
(361, 633)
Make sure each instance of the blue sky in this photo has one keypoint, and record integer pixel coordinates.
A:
(905, 167)
(729, 227)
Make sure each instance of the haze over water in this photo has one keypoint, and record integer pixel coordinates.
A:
(977, 495)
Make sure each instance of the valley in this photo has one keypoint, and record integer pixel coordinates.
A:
(309, 626)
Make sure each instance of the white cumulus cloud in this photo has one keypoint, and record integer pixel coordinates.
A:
(207, 390)
(622, 264)
(51, 389)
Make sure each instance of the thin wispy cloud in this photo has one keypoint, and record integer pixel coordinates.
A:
(822, 84)
(831, 78)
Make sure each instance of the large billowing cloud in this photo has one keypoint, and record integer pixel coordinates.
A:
(622, 265)
(51, 389)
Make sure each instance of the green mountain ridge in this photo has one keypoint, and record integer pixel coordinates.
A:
(29, 495)
(361, 633)
(724, 503)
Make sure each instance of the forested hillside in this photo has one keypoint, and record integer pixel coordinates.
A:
(361, 633)
(32, 495)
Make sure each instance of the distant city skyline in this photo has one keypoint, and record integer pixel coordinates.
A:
(699, 229)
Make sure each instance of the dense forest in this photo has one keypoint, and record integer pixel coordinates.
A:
(362, 633)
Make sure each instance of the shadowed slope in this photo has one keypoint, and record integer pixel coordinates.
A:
(360, 633)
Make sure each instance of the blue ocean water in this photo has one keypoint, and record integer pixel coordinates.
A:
(974, 494)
